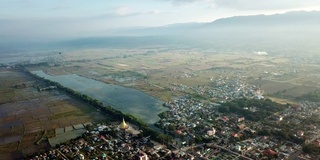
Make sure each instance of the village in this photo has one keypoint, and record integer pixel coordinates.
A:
(110, 141)
(160, 80)
(207, 120)
(201, 132)
(196, 122)
(223, 128)
(223, 89)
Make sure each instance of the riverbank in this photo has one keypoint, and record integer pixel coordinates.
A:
(126, 100)
(107, 110)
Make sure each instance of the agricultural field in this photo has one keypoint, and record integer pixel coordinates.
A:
(28, 117)
(32, 118)
(158, 71)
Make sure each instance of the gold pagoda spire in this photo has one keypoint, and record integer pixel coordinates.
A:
(123, 125)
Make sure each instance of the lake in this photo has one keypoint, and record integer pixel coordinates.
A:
(127, 100)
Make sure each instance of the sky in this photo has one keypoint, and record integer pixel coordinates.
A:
(53, 19)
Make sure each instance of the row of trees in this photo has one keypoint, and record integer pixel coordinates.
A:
(311, 148)
(313, 96)
(108, 110)
(129, 74)
(263, 108)
(282, 134)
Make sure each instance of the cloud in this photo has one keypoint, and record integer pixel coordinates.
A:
(265, 5)
(59, 7)
(124, 11)
(182, 2)
(253, 4)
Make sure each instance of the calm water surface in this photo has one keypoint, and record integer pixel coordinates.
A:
(125, 99)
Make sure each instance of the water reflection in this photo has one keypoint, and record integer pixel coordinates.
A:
(127, 100)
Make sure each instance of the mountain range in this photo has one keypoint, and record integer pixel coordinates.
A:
(290, 32)
(297, 31)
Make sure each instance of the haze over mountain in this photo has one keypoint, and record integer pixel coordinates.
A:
(287, 21)
(292, 31)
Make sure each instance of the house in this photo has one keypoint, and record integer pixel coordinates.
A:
(144, 157)
(236, 135)
(241, 119)
(268, 152)
(296, 108)
(242, 126)
(300, 133)
(211, 132)
(317, 142)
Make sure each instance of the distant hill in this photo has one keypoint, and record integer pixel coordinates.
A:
(290, 21)
(292, 32)
(289, 18)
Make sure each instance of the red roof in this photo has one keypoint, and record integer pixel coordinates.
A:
(178, 131)
(269, 152)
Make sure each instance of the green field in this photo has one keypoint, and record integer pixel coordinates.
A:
(162, 68)
(26, 114)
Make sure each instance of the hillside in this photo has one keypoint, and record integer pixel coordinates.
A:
(292, 32)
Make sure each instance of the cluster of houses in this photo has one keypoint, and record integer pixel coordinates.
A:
(223, 89)
(202, 133)
(234, 88)
(265, 147)
(261, 147)
(113, 141)
(189, 118)
(192, 120)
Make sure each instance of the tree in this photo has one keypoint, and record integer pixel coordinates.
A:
(224, 109)
(311, 148)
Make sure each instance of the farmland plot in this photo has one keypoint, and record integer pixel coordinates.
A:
(28, 118)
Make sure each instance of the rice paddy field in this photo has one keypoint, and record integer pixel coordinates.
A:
(280, 76)
(28, 118)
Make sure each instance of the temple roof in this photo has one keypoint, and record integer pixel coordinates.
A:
(123, 125)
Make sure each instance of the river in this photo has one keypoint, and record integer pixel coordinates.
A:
(127, 100)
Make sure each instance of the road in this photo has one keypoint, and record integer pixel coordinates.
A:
(184, 149)
(295, 155)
